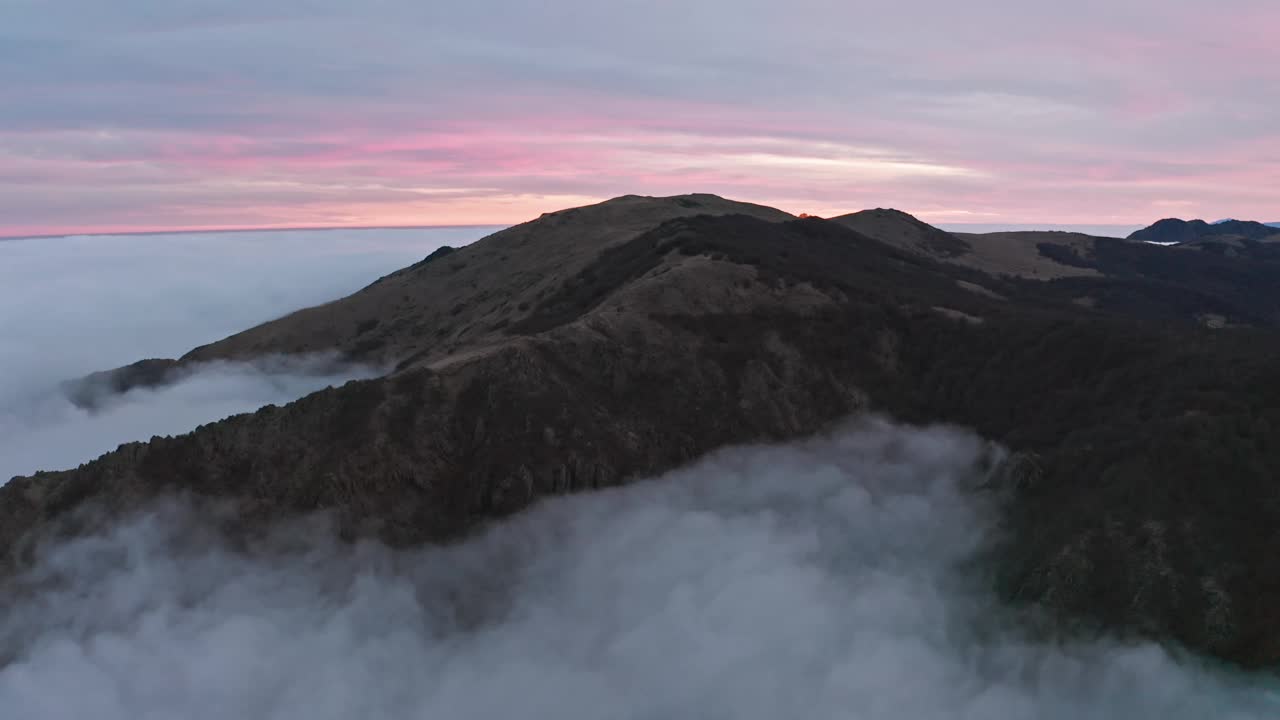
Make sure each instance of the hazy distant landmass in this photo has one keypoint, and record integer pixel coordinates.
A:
(224, 231)
(1226, 220)
(597, 346)
(1098, 230)
(1102, 230)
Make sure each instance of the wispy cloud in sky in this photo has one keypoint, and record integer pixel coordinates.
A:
(136, 115)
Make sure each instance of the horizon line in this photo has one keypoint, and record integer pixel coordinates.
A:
(1046, 227)
(206, 231)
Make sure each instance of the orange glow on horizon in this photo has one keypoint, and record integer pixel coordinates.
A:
(495, 211)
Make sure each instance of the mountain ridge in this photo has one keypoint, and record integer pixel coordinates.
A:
(597, 345)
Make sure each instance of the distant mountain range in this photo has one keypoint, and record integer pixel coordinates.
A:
(1136, 386)
(1173, 230)
(1226, 220)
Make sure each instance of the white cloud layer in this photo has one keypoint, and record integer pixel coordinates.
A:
(823, 579)
(48, 432)
(72, 306)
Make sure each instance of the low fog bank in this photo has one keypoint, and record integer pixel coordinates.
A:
(1114, 231)
(78, 305)
(821, 579)
(45, 430)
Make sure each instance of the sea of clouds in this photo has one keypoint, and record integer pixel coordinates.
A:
(77, 305)
(827, 578)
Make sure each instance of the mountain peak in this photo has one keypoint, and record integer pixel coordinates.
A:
(714, 204)
(904, 230)
(434, 307)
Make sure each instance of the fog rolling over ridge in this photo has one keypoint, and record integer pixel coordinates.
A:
(824, 578)
(821, 579)
(73, 306)
(45, 431)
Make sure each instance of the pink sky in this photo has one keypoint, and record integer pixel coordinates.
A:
(221, 114)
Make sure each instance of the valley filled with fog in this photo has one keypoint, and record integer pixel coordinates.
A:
(832, 577)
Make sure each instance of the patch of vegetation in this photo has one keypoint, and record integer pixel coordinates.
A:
(410, 392)
(1163, 283)
(945, 244)
(351, 420)
(1064, 255)
(415, 357)
(365, 347)
(822, 253)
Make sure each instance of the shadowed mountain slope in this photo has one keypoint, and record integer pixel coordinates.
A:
(587, 349)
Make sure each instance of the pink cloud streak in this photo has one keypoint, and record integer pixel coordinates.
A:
(1118, 112)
